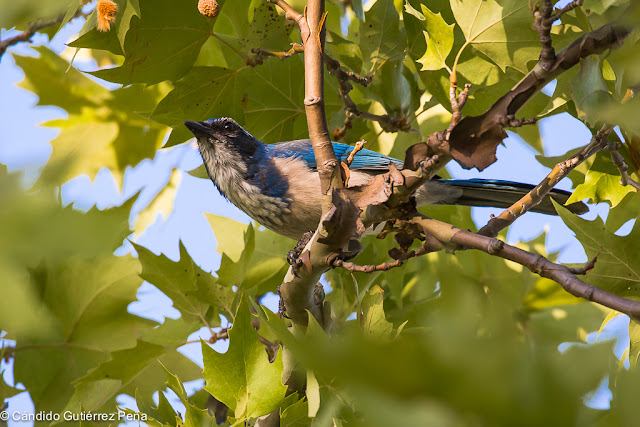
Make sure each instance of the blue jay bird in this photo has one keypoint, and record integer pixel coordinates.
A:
(278, 185)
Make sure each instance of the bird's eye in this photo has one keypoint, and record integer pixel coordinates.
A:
(228, 126)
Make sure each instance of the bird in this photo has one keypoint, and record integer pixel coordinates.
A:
(278, 185)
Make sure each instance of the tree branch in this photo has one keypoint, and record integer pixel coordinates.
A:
(32, 28)
(474, 140)
(451, 236)
(387, 122)
(535, 196)
(297, 288)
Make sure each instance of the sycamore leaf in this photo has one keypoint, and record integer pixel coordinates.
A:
(130, 9)
(161, 415)
(204, 93)
(162, 43)
(634, 343)
(49, 77)
(194, 292)
(273, 100)
(254, 261)
(86, 301)
(20, 13)
(601, 183)
(242, 378)
(313, 394)
(162, 204)
(589, 90)
(439, 37)
(295, 415)
(104, 129)
(194, 417)
(618, 267)
(381, 37)
(547, 293)
(500, 29)
(374, 323)
(6, 391)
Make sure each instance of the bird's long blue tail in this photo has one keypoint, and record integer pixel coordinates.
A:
(490, 193)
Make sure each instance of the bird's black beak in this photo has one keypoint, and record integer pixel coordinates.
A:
(198, 128)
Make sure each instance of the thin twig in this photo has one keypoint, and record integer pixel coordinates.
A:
(358, 147)
(457, 102)
(223, 334)
(32, 28)
(542, 24)
(581, 271)
(618, 161)
(262, 54)
(510, 121)
(559, 12)
(537, 194)
(387, 122)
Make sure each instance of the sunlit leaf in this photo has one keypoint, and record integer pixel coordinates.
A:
(162, 43)
(242, 378)
(617, 269)
(500, 29)
(439, 37)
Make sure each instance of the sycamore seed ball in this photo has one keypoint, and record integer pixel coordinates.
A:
(208, 8)
(107, 11)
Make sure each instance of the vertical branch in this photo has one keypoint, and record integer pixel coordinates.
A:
(314, 102)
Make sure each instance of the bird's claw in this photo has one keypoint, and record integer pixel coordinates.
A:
(293, 254)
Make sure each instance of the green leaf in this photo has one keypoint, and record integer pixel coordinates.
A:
(381, 37)
(161, 415)
(102, 124)
(590, 90)
(439, 37)
(313, 394)
(194, 417)
(86, 300)
(204, 93)
(162, 204)
(374, 323)
(601, 183)
(194, 292)
(254, 261)
(99, 40)
(617, 269)
(19, 14)
(295, 415)
(345, 50)
(242, 378)
(547, 293)
(162, 43)
(500, 29)
(634, 343)
(228, 234)
(49, 77)
(6, 391)
(273, 100)
(130, 9)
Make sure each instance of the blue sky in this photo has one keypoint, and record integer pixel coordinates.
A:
(24, 146)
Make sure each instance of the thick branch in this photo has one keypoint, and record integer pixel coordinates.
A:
(297, 288)
(450, 235)
(314, 102)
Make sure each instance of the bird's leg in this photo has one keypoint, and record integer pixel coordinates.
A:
(293, 254)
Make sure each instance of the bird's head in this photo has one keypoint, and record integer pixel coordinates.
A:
(228, 150)
(223, 137)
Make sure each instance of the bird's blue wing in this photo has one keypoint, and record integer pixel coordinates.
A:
(363, 160)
